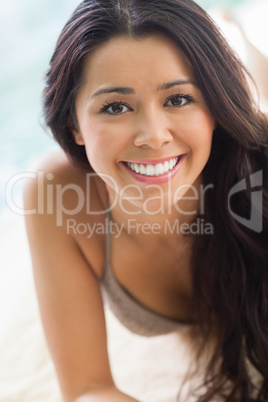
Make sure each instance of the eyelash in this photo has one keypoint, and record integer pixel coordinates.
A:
(188, 97)
(107, 105)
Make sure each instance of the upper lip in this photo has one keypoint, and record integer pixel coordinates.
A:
(154, 161)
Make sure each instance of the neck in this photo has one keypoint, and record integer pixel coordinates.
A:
(156, 216)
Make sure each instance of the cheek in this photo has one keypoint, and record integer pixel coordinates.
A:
(202, 127)
(104, 143)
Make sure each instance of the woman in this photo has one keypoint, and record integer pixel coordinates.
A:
(152, 206)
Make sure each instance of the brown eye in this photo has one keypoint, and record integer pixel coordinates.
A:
(115, 108)
(179, 100)
(176, 101)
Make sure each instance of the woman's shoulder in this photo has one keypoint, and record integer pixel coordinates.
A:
(69, 200)
(56, 165)
(56, 174)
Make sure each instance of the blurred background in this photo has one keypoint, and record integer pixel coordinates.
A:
(28, 33)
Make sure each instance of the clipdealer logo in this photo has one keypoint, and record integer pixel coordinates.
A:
(255, 222)
(51, 196)
(55, 194)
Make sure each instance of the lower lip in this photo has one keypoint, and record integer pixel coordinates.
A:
(156, 179)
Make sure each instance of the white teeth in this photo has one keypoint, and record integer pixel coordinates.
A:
(166, 167)
(159, 169)
(154, 170)
(150, 171)
(142, 169)
(136, 167)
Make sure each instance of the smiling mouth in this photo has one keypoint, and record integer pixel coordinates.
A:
(154, 170)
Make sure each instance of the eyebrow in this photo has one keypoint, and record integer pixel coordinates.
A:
(131, 91)
(168, 85)
(119, 90)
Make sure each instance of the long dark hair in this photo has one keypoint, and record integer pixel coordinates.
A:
(230, 268)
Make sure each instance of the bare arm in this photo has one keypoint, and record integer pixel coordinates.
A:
(71, 309)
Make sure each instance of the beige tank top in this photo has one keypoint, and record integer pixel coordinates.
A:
(131, 313)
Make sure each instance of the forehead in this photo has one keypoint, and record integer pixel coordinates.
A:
(121, 59)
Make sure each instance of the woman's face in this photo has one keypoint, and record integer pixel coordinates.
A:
(142, 117)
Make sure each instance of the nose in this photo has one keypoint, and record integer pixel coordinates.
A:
(152, 131)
